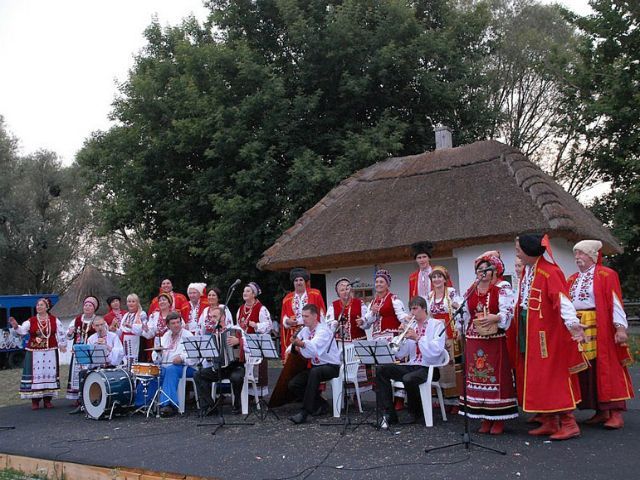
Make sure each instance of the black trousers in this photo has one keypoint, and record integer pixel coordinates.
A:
(411, 376)
(305, 384)
(206, 376)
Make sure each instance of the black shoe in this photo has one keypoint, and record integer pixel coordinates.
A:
(208, 411)
(413, 418)
(236, 410)
(323, 409)
(299, 418)
(386, 420)
(76, 410)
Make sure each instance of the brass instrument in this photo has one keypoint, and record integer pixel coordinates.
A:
(398, 340)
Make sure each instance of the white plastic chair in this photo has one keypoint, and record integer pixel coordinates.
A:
(182, 390)
(352, 364)
(425, 394)
(244, 394)
(250, 367)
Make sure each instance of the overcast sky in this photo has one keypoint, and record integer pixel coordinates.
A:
(61, 61)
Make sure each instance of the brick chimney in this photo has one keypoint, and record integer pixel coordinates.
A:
(443, 136)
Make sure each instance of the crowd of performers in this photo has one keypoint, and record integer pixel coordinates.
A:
(547, 345)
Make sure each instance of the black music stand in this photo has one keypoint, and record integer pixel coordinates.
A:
(466, 435)
(217, 362)
(374, 352)
(261, 346)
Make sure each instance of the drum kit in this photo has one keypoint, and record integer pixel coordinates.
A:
(109, 390)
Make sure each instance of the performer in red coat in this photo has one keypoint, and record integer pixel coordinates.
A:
(596, 295)
(292, 304)
(419, 281)
(543, 340)
(180, 303)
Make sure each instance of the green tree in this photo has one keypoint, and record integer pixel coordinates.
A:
(606, 89)
(43, 215)
(227, 132)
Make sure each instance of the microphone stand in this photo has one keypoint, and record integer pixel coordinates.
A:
(346, 423)
(466, 436)
(221, 421)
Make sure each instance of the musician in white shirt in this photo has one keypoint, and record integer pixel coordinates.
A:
(215, 324)
(316, 343)
(424, 345)
(173, 359)
(114, 349)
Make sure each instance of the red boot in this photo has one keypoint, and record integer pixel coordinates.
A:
(615, 420)
(485, 426)
(497, 428)
(399, 404)
(568, 428)
(35, 403)
(47, 402)
(549, 425)
(537, 418)
(601, 416)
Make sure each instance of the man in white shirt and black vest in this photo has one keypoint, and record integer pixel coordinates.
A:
(316, 343)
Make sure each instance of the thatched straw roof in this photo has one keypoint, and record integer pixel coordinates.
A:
(485, 192)
(89, 282)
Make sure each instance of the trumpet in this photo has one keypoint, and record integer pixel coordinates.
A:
(398, 340)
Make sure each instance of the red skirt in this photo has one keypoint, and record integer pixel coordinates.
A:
(491, 394)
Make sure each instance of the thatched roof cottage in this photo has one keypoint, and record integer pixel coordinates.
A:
(465, 200)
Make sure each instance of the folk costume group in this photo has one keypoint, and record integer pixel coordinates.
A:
(547, 345)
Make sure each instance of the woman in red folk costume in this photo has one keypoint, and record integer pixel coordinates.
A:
(384, 316)
(213, 302)
(292, 304)
(443, 302)
(491, 394)
(156, 327)
(197, 303)
(115, 313)
(345, 315)
(179, 302)
(253, 317)
(79, 331)
(40, 374)
(596, 294)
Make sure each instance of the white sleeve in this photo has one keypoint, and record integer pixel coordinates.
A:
(152, 323)
(24, 328)
(329, 317)
(568, 311)
(363, 310)
(264, 321)
(369, 318)
(432, 344)
(182, 351)
(505, 303)
(398, 308)
(318, 344)
(228, 317)
(619, 316)
(60, 335)
(117, 352)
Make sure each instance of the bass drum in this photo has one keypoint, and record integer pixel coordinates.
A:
(105, 390)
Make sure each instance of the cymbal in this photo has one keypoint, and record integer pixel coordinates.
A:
(155, 349)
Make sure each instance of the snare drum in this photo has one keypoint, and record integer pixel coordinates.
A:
(105, 390)
(145, 369)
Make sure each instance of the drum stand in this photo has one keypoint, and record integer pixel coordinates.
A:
(144, 381)
(155, 401)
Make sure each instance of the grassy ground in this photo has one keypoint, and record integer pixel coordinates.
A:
(10, 474)
(10, 383)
